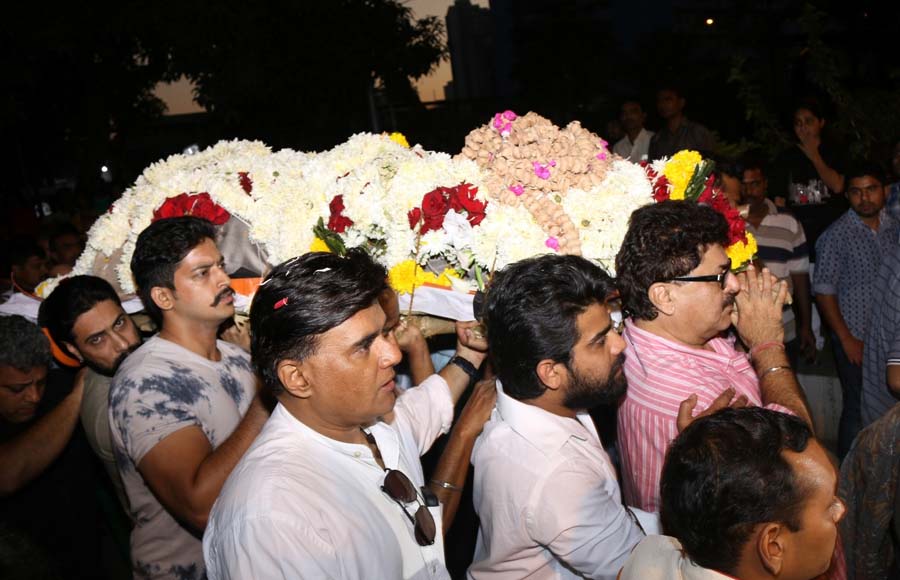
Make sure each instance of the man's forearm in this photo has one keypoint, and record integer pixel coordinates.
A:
(780, 387)
(420, 365)
(217, 466)
(831, 314)
(29, 454)
(457, 379)
(802, 303)
(451, 471)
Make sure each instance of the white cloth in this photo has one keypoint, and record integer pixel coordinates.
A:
(661, 558)
(636, 151)
(547, 497)
(162, 388)
(301, 505)
(23, 305)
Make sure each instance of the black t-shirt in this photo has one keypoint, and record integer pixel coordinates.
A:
(57, 513)
(794, 167)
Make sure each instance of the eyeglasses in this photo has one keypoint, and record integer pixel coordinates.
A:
(399, 488)
(720, 278)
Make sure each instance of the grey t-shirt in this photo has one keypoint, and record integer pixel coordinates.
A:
(162, 388)
(95, 421)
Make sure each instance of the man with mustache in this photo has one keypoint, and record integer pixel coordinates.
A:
(85, 317)
(545, 490)
(849, 255)
(681, 295)
(183, 407)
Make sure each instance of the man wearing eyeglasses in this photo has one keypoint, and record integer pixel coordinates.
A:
(849, 254)
(677, 287)
(333, 486)
(545, 490)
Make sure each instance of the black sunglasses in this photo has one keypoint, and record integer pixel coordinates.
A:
(399, 488)
(720, 278)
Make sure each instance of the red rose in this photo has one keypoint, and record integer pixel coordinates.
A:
(198, 205)
(435, 204)
(476, 217)
(434, 222)
(463, 199)
(246, 182)
(337, 222)
(414, 215)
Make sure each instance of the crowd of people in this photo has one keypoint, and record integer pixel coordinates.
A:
(290, 448)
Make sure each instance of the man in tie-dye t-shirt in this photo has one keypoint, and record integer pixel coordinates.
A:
(183, 407)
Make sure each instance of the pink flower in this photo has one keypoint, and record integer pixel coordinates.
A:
(552, 163)
(540, 170)
(603, 143)
(498, 121)
(506, 129)
(601, 156)
(517, 189)
(552, 243)
(509, 115)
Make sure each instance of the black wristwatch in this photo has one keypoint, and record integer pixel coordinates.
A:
(466, 366)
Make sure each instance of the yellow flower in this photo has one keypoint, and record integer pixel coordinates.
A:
(319, 245)
(741, 253)
(679, 170)
(399, 138)
(405, 276)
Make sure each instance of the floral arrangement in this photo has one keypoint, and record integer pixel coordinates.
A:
(520, 187)
(687, 176)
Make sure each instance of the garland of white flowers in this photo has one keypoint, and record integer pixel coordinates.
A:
(380, 180)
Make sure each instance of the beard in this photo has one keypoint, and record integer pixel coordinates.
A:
(110, 371)
(586, 392)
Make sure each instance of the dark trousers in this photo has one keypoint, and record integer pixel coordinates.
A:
(851, 390)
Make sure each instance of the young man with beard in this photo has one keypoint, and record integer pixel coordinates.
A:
(681, 295)
(85, 317)
(849, 256)
(545, 489)
(183, 407)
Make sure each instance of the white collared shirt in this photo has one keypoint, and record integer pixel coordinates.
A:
(301, 505)
(663, 558)
(636, 151)
(548, 499)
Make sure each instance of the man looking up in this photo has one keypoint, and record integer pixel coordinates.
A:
(545, 490)
(783, 250)
(333, 486)
(746, 493)
(636, 142)
(182, 407)
(849, 255)
(678, 288)
(677, 132)
(84, 316)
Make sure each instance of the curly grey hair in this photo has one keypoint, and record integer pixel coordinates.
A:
(22, 344)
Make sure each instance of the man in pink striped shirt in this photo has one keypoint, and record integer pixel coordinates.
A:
(676, 285)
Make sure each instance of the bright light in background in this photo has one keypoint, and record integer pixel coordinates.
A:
(710, 21)
(104, 169)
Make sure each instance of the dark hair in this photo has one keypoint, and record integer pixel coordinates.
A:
(63, 229)
(671, 87)
(22, 344)
(727, 166)
(664, 240)
(21, 248)
(863, 169)
(530, 312)
(159, 250)
(753, 160)
(302, 299)
(632, 99)
(811, 104)
(70, 299)
(724, 475)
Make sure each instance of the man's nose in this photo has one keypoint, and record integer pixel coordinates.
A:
(33, 394)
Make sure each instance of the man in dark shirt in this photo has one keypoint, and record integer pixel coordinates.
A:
(47, 480)
(677, 132)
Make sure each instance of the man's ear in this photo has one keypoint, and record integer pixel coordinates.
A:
(290, 373)
(660, 295)
(163, 297)
(552, 374)
(770, 547)
(70, 348)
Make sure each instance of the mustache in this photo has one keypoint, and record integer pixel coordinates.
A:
(221, 295)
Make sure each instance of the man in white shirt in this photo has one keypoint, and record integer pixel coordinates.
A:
(636, 142)
(333, 486)
(545, 490)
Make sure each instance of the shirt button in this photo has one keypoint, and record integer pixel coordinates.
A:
(357, 454)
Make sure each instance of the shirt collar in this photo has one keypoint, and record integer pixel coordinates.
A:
(543, 429)
(639, 338)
